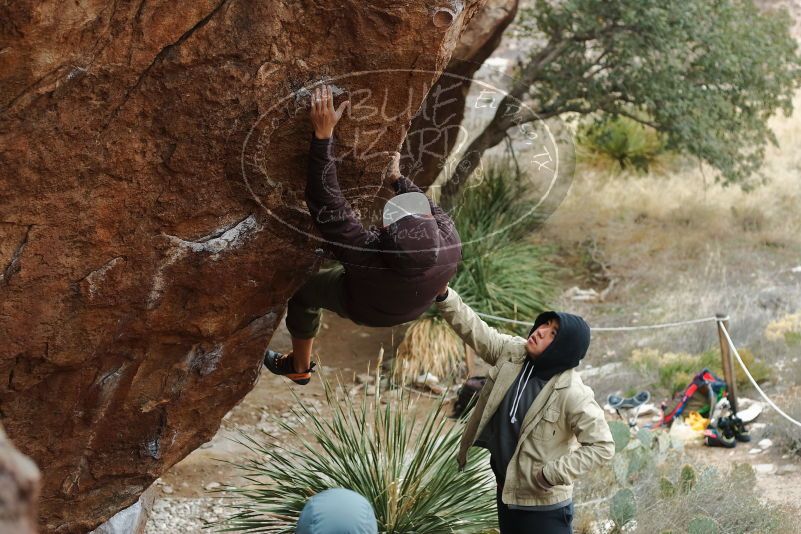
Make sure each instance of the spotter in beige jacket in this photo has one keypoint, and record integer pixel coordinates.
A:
(564, 433)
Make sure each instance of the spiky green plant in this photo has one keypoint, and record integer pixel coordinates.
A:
(621, 433)
(500, 273)
(621, 140)
(402, 462)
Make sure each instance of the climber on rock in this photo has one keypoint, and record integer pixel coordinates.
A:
(386, 276)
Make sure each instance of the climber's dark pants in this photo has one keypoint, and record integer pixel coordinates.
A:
(326, 289)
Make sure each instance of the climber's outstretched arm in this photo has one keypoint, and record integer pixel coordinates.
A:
(332, 213)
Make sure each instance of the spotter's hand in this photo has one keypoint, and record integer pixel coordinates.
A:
(323, 115)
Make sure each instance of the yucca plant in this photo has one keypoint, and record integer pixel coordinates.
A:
(622, 141)
(403, 464)
(500, 273)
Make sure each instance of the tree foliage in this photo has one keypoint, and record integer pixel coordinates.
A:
(707, 74)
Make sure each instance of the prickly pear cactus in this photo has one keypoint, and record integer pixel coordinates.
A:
(620, 465)
(646, 437)
(687, 479)
(623, 507)
(702, 525)
(620, 433)
(662, 447)
(662, 442)
(666, 488)
(641, 461)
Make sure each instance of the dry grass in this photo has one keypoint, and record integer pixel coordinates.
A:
(784, 328)
(690, 200)
(680, 246)
(429, 346)
(786, 434)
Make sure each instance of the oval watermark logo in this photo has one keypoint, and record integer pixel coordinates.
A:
(541, 149)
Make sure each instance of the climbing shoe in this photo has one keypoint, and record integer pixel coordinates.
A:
(733, 427)
(715, 438)
(740, 432)
(282, 364)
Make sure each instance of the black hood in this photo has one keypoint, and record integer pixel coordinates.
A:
(412, 242)
(568, 347)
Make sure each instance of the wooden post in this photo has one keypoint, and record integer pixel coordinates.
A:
(729, 370)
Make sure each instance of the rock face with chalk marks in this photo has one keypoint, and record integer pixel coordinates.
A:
(152, 163)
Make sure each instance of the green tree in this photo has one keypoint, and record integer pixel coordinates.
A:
(707, 74)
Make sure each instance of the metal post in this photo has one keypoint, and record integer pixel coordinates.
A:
(729, 371)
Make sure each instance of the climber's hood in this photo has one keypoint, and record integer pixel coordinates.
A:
(411, 242)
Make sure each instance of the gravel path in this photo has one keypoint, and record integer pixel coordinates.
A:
(181, 515)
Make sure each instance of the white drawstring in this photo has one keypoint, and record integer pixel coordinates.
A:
(519, 392)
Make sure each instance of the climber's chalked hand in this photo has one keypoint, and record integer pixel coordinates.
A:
(323, 115)
(393, 173)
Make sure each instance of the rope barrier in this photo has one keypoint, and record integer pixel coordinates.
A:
(718, 320)
(751, 378)
(613, 328)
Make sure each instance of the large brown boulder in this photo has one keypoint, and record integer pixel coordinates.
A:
(152, 161)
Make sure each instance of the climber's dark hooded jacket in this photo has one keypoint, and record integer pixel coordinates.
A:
(392, 274)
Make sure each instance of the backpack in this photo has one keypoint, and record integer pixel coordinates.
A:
(701, 395)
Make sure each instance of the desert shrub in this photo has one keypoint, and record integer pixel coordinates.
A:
(401, 461)
(792, 338)
(783, 432)
(749, 218)
(651, 486)
(624, 142)
(760, 370)
(707, 496)
(787, 328)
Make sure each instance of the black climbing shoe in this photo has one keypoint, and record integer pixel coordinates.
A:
(740, 432)
(282, 364)
(715, 438)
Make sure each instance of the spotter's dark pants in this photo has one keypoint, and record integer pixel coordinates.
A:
(557, 521)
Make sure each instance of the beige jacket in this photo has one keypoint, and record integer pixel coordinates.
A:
(564, 432)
